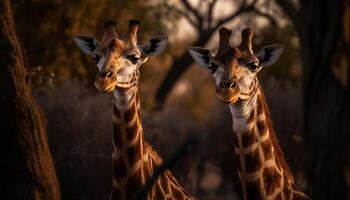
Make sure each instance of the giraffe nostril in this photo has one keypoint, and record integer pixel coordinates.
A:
(109, 73)
(228, 84)
(105, 73)
(222, 84)
(233, 84)
(100, 73)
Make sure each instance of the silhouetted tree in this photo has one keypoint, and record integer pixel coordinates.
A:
(324, 31)
(26, 167)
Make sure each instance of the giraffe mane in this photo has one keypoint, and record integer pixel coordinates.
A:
(153, 154)
(158, 160)
(278, 151)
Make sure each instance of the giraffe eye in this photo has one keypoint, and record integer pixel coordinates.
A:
(253, 67)
(133, 58)
(96, 58)
(240, 61)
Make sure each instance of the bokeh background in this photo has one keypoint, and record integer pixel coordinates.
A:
(177, 96)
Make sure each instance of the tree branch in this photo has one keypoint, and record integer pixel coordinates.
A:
(210, 12)
(269, 17)
(189, 7)
(291, 11)
(243, 8)
(181, 13)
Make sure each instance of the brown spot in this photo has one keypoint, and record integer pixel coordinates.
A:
(185, 192)
(267, 149)
(250, 93)
(294, 187)
(262, 127)
(253, 161)
(170, 176)
(251, 117)
(133, 184)
(158, 192)
(272, 180)
(248, 138)
(134, 153)
(116, 112)
(131, 132)
(119, 169)
(176, 193)
(162, 181)
(253, 191)
(117, 135)
(129, 114)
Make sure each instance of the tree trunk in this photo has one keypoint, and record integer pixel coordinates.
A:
(180, 65)
(26, 167)
(324, 34)
(178, 68)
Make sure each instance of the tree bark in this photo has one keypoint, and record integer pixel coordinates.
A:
(323, 28)
(26, 167)
(179, 67)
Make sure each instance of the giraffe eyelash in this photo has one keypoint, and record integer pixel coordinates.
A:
(133, 58)
(213, 67)
(253, 66)
(96, 58)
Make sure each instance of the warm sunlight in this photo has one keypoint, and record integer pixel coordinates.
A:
(174, 99)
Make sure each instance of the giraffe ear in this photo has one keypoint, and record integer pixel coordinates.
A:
(270, 54)
(86, 43)
(203, 57)
(154, 46)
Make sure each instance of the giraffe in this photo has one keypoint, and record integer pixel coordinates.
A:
(118, 59)
(262, 169)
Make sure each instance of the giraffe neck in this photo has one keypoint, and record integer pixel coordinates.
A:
(262, 168)
(133, 159)
(129, 151)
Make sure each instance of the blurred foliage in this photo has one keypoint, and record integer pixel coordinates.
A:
(46, 29)
(79, 131)
(288, 66)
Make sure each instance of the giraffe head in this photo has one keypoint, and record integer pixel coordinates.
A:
(118, 58)
(235, 68)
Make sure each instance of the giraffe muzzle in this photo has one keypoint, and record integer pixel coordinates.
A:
(105, 80)
(105, 73)
(228, 84)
